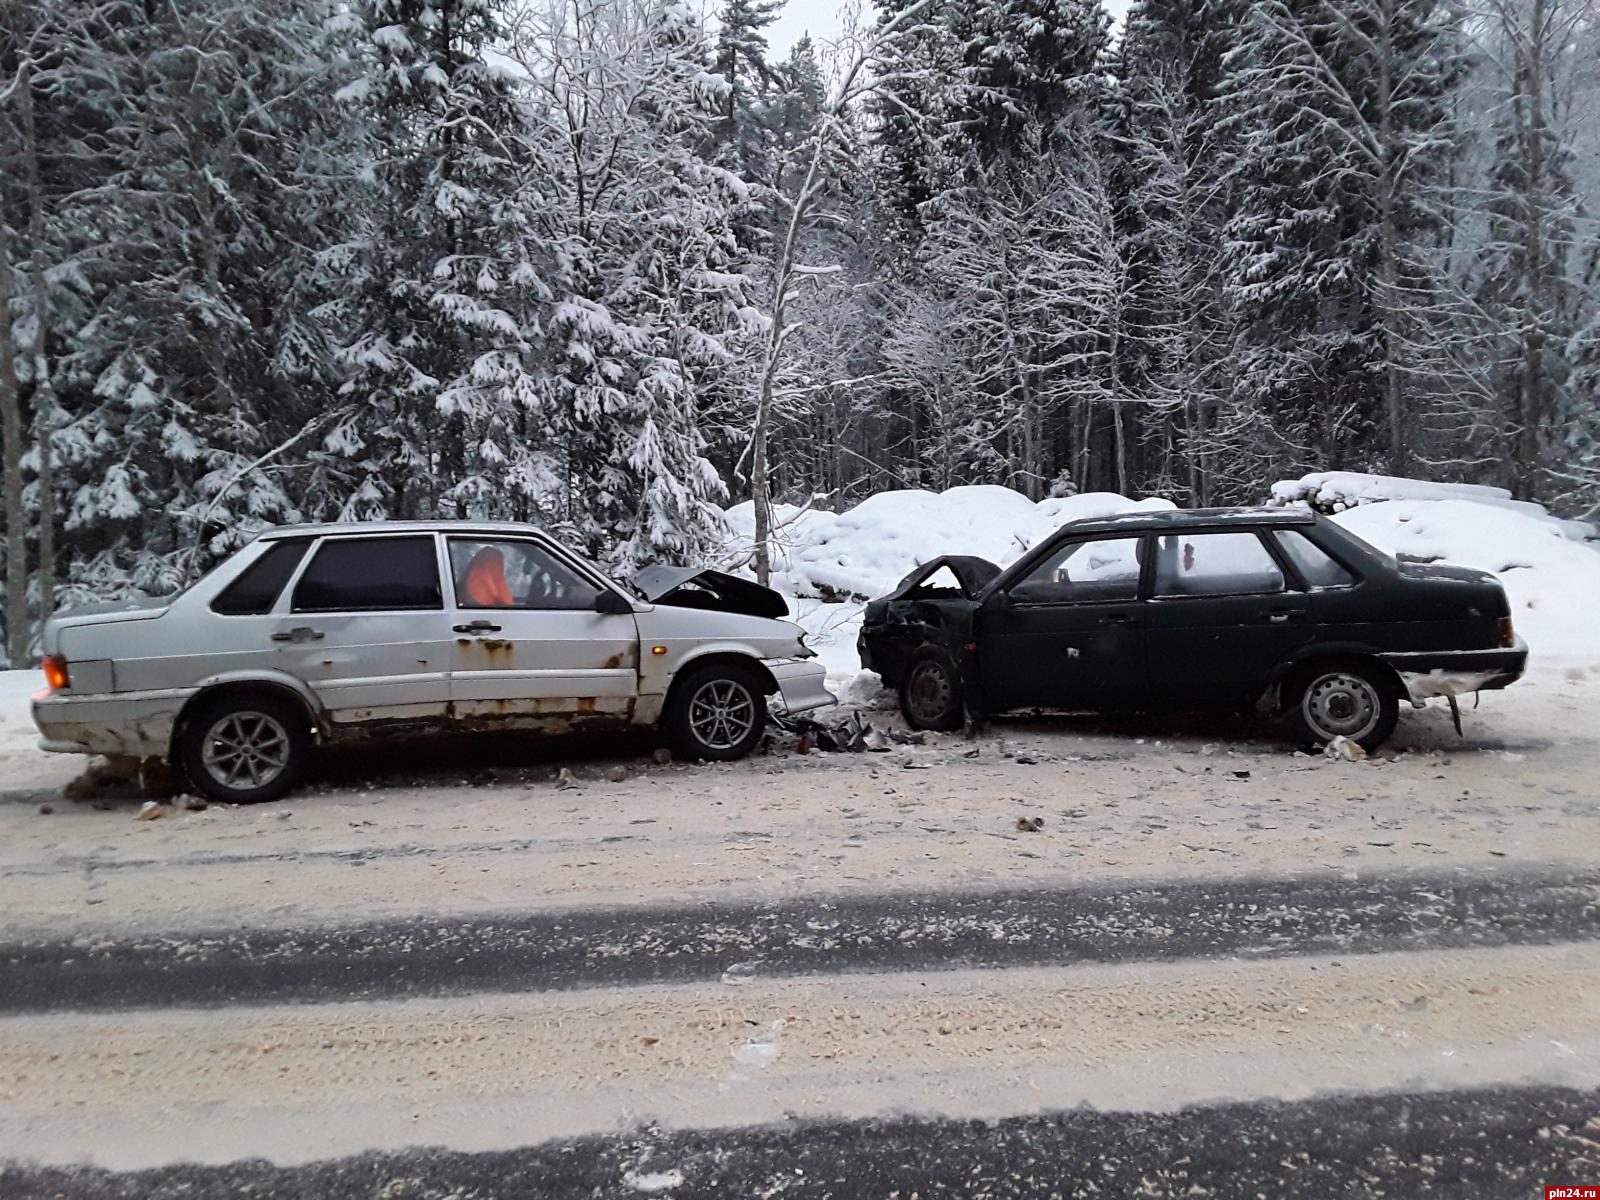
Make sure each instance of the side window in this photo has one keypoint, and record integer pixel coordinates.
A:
(371, 575)
(1314, 564)
(516, 574)
(1084, 573)
(1215, 564)
(255, 591)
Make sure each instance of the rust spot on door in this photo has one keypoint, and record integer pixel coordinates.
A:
(622, 658)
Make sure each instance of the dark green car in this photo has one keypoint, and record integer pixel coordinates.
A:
(1276, 609)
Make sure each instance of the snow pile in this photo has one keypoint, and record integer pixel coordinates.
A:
(1338, 491)
(1551, 578)
(864, 552)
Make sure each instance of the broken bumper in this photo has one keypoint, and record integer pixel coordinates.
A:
(138, 723)
(1432, 673)
(801, 684)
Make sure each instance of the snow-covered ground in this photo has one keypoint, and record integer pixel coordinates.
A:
(828, 562)
(16, 719)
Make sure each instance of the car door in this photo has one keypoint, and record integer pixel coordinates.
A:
(528, 640)
(1222, 614)
(366, 628)
(1070, 633)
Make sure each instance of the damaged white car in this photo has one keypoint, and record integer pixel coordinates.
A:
(357, 631)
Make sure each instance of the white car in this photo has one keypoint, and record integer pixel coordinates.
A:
(356, 631)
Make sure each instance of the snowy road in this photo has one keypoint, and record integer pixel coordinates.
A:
(1220, 968)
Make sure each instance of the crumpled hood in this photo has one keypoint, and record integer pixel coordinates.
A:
(972, 573)
(711, 591)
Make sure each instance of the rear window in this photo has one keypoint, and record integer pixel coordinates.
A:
(371, 574)
(256, 591)
(1316, 567)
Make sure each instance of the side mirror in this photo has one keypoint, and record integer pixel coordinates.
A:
(610, 604)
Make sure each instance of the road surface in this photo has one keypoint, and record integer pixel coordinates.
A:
(1218, 968)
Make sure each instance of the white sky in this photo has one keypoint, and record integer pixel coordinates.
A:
(821, 19)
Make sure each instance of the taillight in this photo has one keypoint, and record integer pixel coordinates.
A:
(1508, 635)
(55, 673)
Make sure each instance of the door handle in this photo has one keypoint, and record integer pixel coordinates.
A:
(303, 634)
(1120, 619)
(478, 627)
(1283, 616)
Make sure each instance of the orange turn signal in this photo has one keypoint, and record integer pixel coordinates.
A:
(1508, 633)
(55, 672)
(658, 650)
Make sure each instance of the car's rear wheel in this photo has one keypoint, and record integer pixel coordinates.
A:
(717, 713)
(246, 749)
(931, 695)
(1344, 699)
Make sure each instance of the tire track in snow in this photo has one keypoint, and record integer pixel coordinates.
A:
(937, 931)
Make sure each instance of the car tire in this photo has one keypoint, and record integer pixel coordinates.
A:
(1354, 700)
(246, 749)
(931, 695)
(717, 713)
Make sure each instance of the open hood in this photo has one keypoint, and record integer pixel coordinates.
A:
(972, 575)
(713, 591)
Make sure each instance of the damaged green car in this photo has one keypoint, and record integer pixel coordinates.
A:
(1278, 610)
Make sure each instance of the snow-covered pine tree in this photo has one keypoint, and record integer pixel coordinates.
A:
(437, 274)
(647, 297)
(178, 219)
(1171, 183)
(1027, 68)
(1342, 128)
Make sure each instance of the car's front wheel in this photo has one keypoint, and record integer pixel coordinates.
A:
(717, 713)
(931, 695)
(246, 749)
(1349, 700)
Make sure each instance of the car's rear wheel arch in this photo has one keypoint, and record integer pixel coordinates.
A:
(237, 689)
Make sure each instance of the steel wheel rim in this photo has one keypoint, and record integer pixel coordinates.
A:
(245, 750)
(930, 692)
(722, 714)
(1340, 704)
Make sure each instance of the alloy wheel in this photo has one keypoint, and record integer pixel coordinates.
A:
(246, 750)
(722, 714)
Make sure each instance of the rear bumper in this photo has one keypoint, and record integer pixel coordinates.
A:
(801, 683)
(1431, 673)
(139, 724)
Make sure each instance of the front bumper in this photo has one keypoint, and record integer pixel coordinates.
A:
(139, 724)
(801, 684)
(1432, 673)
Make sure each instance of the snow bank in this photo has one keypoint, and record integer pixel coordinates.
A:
(1339, 491)
(864, 552)
(1550, 571)
(1552, 579)
(850, 557)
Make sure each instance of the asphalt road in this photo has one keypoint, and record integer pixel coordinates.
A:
(1219, 969)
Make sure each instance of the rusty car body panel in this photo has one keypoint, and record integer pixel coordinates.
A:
(135, 670)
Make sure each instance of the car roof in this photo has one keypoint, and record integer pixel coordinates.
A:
(1192, 518)
(503, 527)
